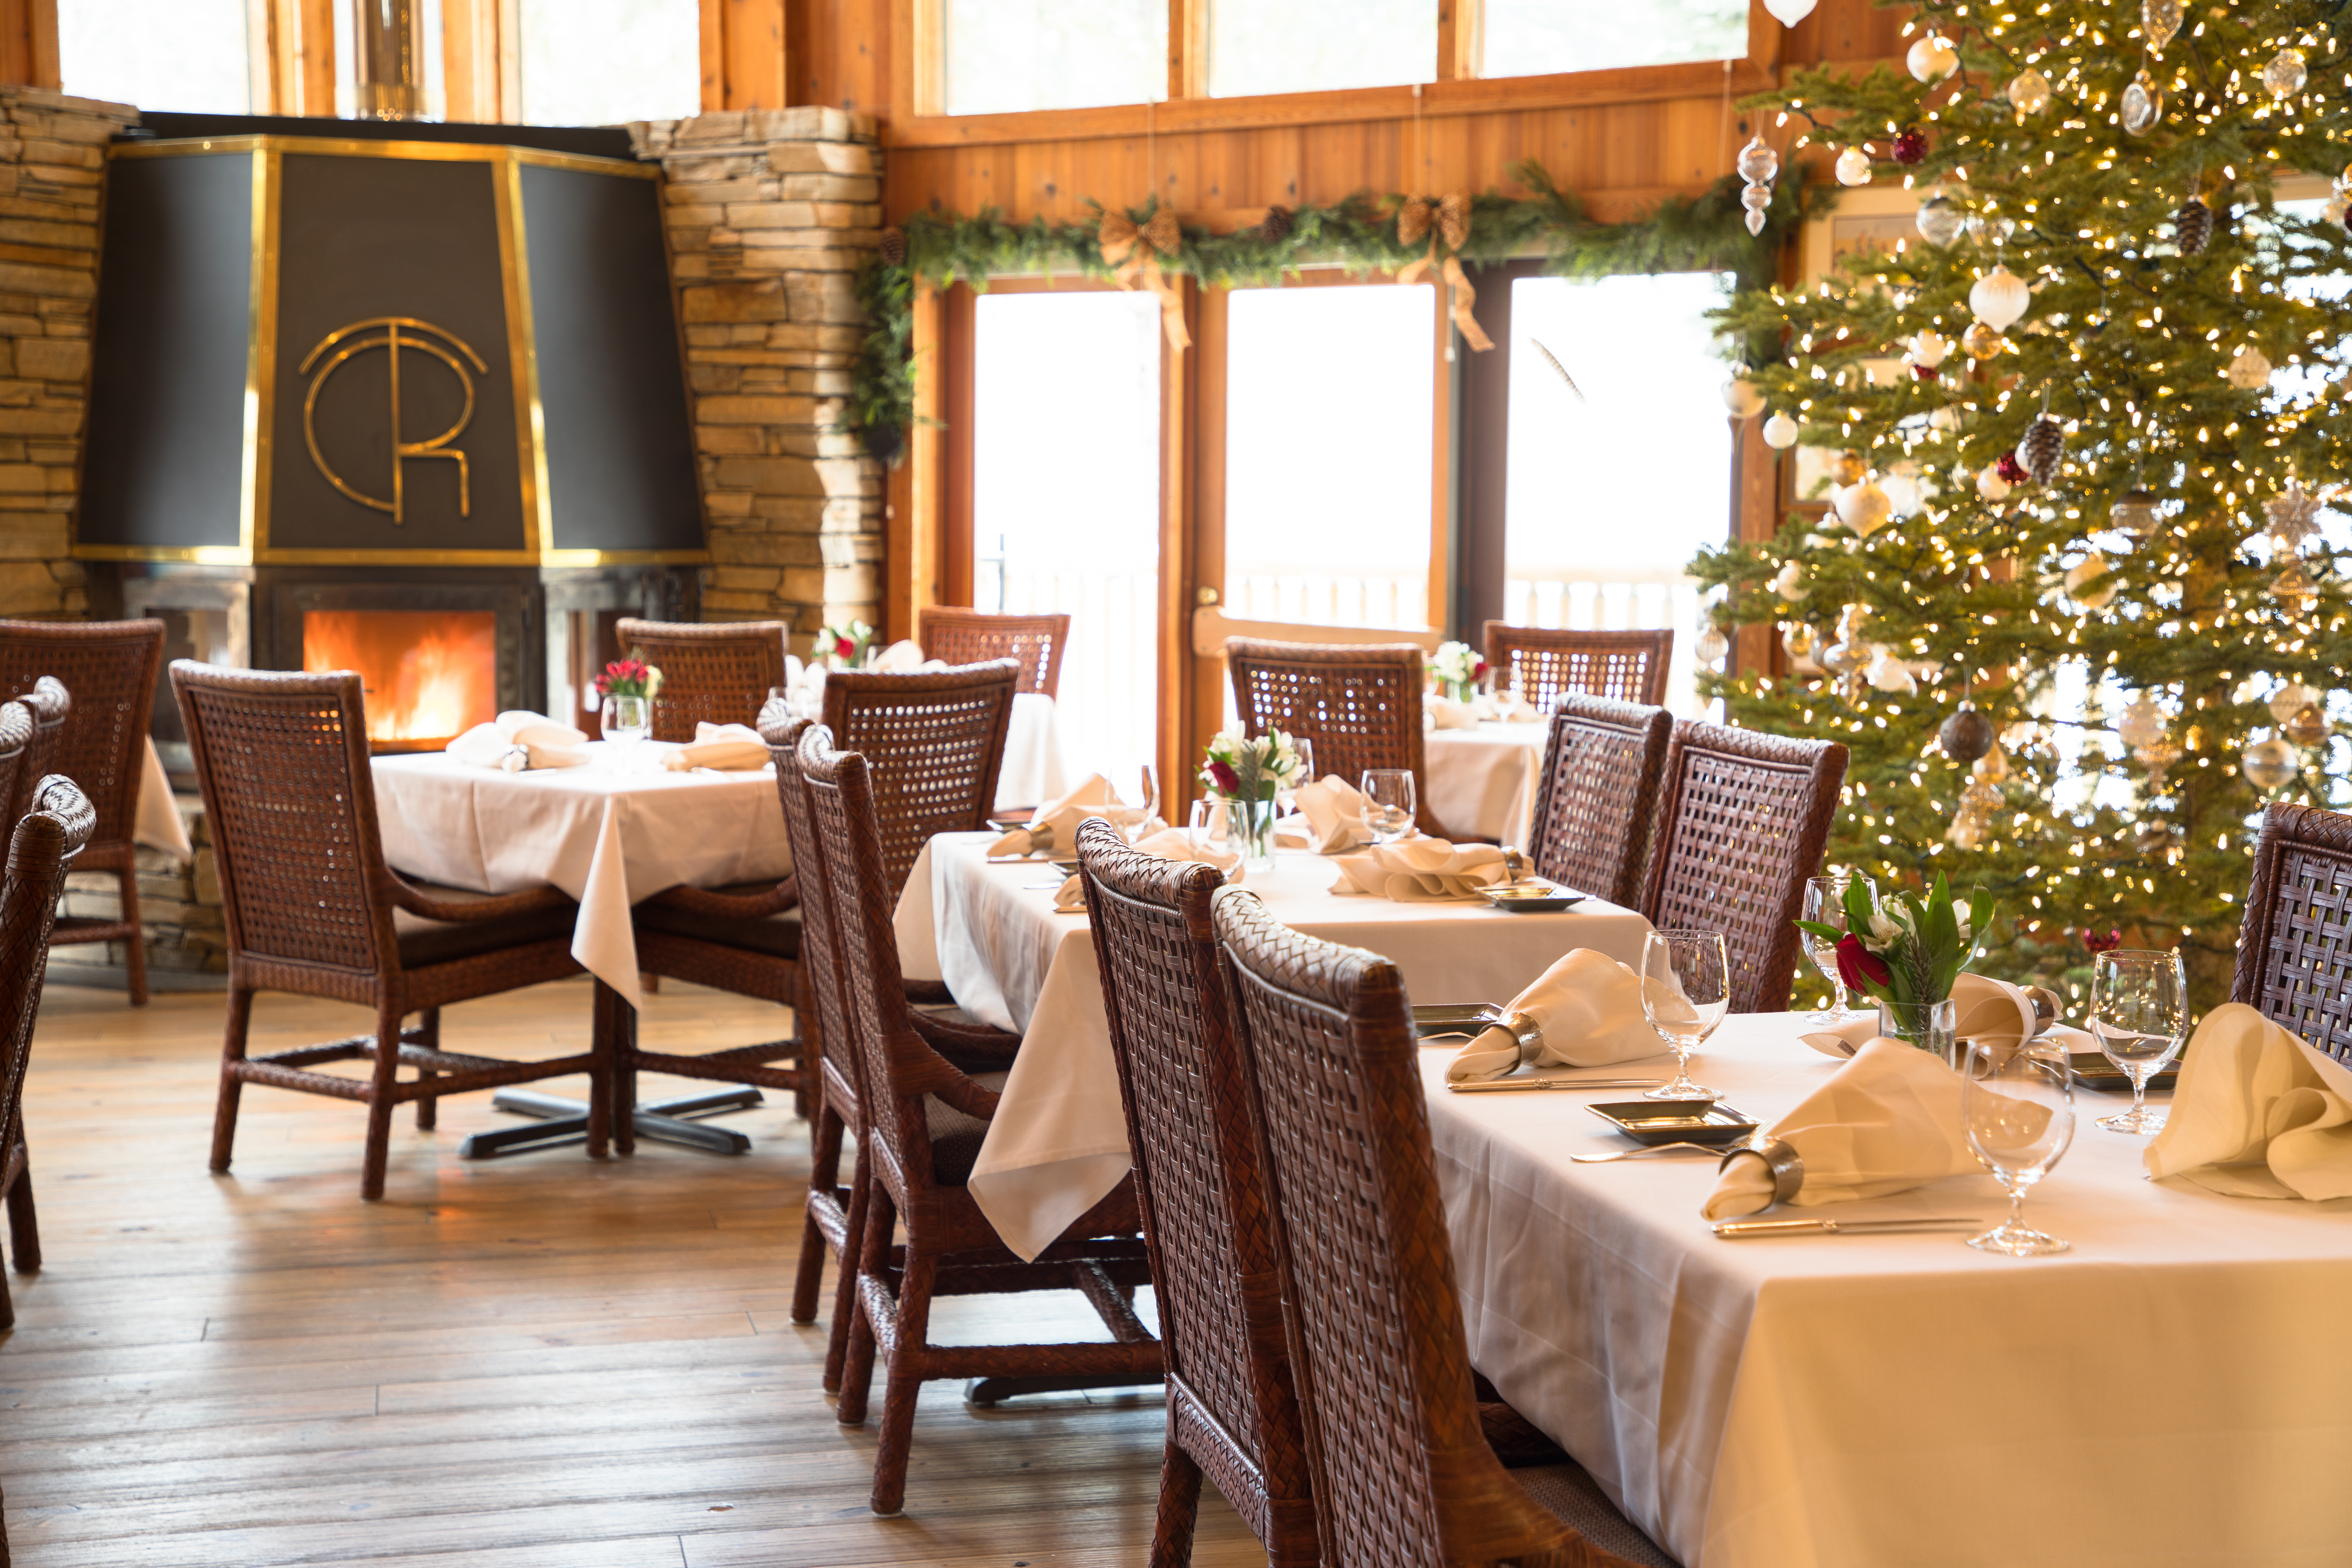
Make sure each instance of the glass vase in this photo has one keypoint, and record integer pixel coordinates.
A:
(1249, 833)
(1931, 1027)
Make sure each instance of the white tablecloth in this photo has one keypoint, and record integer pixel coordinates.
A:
(1033, 772)
(1482, 782)
(1059, 1141)
(2169, 1392)
(155, 822)
(609, 834)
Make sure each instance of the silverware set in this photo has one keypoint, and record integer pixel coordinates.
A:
(1531, 1085)
(1750, 1229)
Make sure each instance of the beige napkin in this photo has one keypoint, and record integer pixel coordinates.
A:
(901, 657)
(1176, 844)
(520, 739)
(1991, 1010)
(1059, 819)
(1444, 713)
(1887, 1122)
(1333, 810)
(1421, 870)
(2257, 1113)
(1589, 1007)
(725, 746)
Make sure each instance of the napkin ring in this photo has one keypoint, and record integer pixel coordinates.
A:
(1523, 1028)
(1780, 1158)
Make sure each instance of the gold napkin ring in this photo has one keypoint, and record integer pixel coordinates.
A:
(1041, 836)
(1779, 1158)
(1524, 1029)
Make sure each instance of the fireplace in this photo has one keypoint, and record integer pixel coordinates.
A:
(428, 677)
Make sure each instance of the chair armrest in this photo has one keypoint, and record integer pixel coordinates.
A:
(973, 1048)
(973, 1100)
(926, 993)
(783, 895)
(529, 901)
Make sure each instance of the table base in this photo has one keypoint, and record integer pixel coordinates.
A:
(984, 1393)
(559, 1122)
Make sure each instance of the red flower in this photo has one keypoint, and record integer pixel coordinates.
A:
(843, 646)
(1227, 781)
(1857, 964)
(2113, 940)
(1478, 670)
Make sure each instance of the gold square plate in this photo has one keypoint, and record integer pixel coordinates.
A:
(1677, 1121)
(2093, 1070)
(1532, 895)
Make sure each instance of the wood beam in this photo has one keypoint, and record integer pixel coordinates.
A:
(29, 43)
(481, 59)
(1188, 48)
(917, 516)
(744, 54)
(1461, 39)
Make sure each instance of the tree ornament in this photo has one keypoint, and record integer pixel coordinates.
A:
(2089, 583)
(1788, 13)
(2250, 371)
(2000, 297)
(2138, 513)
(1791, 584)
(2142, 724)
(1848, 468)
(1781, 432)
(1846, 657)
(1853, 166)
(1756, 199)
(2156, 756)
(2159, 20)
(2293, 516)
(2045, 444)
(1863, 508)
(2156, 838)
(1759, 165)
(1992, 767)
(2029, 91)
(2343, 181)
(1966, 735)
(2268, 764)
(2292, 699)
(892, 246)
(2143, 104)
(1940, 219)
(1931, 59)
(2009, 468)
(1990, 228)
(1798, 639)
(1711, 646)
(2192, 225)
(1276, 225)
(1982, 340)
(2306, 727)
(2295, 587)
(2285, 73)
(1910, 146)
(1928, 347)
(1887, 673)
(1741, 396)
(1969, 830)
(1991, 485)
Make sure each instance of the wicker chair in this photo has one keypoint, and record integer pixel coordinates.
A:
(1231, 1410)
(1361, 705)
(1629, 667)
(927, 1120)
(1402, 1474)
(1744, 820)
(714, 673)
(311, 909)
(2294, 950)
(933, 744)
(40, 852)
(1594, 804)
(110, 667)
(46, 706)
(969, 637)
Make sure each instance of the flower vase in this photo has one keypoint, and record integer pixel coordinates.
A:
(1932, 1026)
(1249, 833)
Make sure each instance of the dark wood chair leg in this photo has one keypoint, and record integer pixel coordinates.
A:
(845, 1313)
(136, 959)
(24, 1225)
(874, 1256)
(240, 1019)
(380, 1101)
(7, 1305)
(428, 1107)
(1180, 1505)
(825, 1176)
(904, 1385)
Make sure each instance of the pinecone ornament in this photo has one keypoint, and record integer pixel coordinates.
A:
(894, 247)
(2043, 445)
(1275, 228)
(2192, 225)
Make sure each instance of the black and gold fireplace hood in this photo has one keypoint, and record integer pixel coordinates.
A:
(360, 351)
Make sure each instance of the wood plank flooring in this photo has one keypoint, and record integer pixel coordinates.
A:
(539, 1362)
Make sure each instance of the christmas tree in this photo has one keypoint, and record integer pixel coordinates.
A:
(2071, 605)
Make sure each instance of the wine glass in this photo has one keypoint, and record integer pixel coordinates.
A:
(1147, 810)
(1389, 803)
(1208, 826)
(2140, 1014)
(2019, 1108)
(1825, 905)
(1305, 775)
(624, 719)
(1686, 992)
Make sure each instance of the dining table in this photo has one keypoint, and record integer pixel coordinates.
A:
(1481, 778)
(1057, 1143)
(2167, 1391)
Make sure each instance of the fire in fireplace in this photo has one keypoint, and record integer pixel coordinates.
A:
(430, 675)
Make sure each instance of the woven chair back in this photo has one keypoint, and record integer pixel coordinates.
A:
(1598, 796)
(715, 673)
(840, 795)
(15, 751)
(49, 705)
(111, 669)
(933, 744)
(1402, 1474)
(969, 637)
(1744, 822)
(1629, 667)
(1360, 705)
(2294, 949)
(820, 944)
(40, 852)
(1205, 1219)
(282, 763)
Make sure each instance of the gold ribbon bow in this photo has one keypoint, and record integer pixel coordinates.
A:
(1446, 224)
(1132, 252)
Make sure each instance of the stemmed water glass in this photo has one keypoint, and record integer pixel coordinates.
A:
(1825, 904)
(2140, 1014)
(1686, 992)
(1389, 804)
(2019, 1108)
(1288, 799)
(624, 719)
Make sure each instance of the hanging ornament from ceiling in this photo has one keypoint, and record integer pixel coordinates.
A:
(2293, 516)
(1781, 432)
(2138, 513)
(2000, 297)
(2029, 91)
(1740, 395)
(1910, 147)
(1788, 13)
(2143, 104)
(2089, 583)
(2249, 371)
(1982, 340)
(2192, 225)
(1991, 485)
(1853, 166)
(2285, 73)
(1966, 735)
(1759, 165)
(2158, 21)
(1941, 220)
(2044, 444)
(2268, 764)
(1932, 60)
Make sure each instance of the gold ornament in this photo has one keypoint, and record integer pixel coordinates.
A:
(2143, 104)
(1982, 341)
(1993, 766)
(2268, 764)
(2307, 727)
(2029, 92)
(2294, 587)
(1848, 468)
(2158, 21)
(2250, 371)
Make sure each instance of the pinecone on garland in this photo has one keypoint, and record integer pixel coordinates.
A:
(2044, 443)
(2192, 225)
(1276, 226)
(894, 247)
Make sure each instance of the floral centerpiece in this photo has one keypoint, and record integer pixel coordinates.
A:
(1905, 952)
(630, 677)
(1247, 772)
(1458, 669)
(847, 644)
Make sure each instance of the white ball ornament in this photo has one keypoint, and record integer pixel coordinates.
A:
(1929, 347)
(1903, 493)
(1788, 13)
(2089, 583)
(1991, 486)
(1790, 584)
(1932, 60)
(2142, 723)
(2250, 371)
(1781, 432)
(2268, 764)
(1888, 673)
(2290, 699)
(1853, 167)
(1712, 645)
(1863, 508)
(2000, 298)
(1741, 396)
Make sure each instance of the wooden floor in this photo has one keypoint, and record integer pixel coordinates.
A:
(534, 1363)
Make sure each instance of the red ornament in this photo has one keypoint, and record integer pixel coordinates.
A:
(1925, 371)
(1910, 146)
(2009, 468)
(1856, 963)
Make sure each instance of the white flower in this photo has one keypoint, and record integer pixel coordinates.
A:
(1883, 929)
(1964, 931)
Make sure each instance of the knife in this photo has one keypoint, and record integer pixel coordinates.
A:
(1518, 1085)
(1734, 1229)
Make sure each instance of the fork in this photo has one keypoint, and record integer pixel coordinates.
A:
(1646, 1149)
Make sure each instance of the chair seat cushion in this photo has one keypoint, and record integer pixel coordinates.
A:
(425, 942)
(955, 1137)
(778, 935)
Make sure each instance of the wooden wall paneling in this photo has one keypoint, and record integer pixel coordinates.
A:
(1204, 708)
(918, 519)
(1179, 443)
(959, 358)
(839, 53)
(292, 46)
(29, 43)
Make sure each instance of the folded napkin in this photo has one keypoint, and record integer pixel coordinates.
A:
(1176, 844)
(1421, 870)
(904, 657)
(1444, 713)
(1887, 1122)
(1992, 1011)
(1333, 810)
(519, 739)
(1054, 824)
(1586, 1012)
(724, 746)
(2257, 1113)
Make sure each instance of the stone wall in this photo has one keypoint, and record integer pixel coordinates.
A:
(770, 214)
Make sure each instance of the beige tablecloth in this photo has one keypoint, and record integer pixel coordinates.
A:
(155, 822)
(609, 834)
(1059, 1141)
(2169, 1392)
(1034, 770)
(1482, 782)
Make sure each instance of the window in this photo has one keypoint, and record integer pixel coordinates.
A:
(1066, 501)
(1003, 55)
(1613, 486)
(1313, 45)
(1328, 404)
(602, 62)
(183, 54)
(1537, 37)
